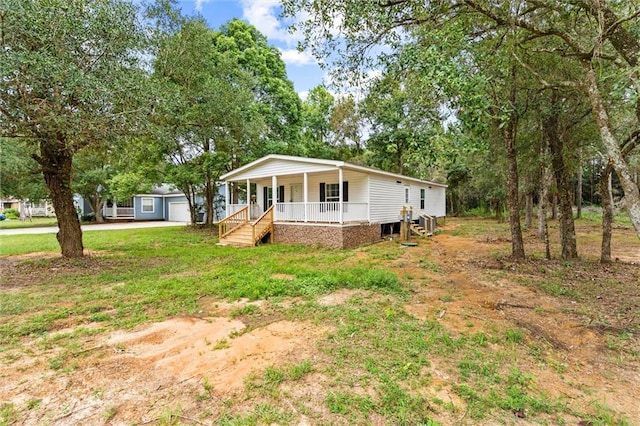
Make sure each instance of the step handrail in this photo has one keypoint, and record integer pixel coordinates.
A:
(232, 222)
(263, 225)
(432, 220)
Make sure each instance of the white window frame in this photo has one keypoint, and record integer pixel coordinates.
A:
(142, 205)
(332, 192)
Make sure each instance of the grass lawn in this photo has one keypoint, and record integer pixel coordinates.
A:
(34, 223)
(409, 344)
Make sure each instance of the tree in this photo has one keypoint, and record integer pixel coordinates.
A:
(345, 122)
(207, 113)
(587, 33)
(69, 74)
(92, 172)
(20, 177)
(276, 100)
(400, 128)
(317, 109)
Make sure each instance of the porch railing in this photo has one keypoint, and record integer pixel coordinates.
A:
(321, 212)
(237, 219)
(121, 212)
(38, 211)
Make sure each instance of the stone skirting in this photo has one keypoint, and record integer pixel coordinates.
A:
(337, 236)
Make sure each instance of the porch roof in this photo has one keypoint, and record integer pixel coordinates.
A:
(240, 174)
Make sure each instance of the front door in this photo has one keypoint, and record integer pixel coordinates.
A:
(296, 193)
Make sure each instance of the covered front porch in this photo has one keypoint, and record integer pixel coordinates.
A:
(332, 197)
(120, 210)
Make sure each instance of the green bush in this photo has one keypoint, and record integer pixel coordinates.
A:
(90, 217)
(11, 213)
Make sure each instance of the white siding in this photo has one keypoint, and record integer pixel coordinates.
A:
(281, 167)
(388, 198)
(435, 201)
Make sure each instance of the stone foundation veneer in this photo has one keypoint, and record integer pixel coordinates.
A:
(336, 236)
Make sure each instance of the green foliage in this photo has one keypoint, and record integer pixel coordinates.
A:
(8, 413)
(21, 177)
(11, 213)
(276, 100)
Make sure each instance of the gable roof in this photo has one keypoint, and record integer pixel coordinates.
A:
(321, 162)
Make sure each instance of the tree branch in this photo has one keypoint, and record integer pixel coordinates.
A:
(542, 80)
(508, 21)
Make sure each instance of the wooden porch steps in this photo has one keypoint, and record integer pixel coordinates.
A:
(246, 234)
(241, 237)
(420, 230)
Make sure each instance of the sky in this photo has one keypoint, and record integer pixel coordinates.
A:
(302, 67)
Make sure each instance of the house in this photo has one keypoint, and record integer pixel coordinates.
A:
(28, 208)
(320, 202)
(163, 202)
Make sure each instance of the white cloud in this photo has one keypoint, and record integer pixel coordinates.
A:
(199, 4)
(304, 94)
(263, 14)
(296, 57)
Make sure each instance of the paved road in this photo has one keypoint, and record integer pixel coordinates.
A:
(93, 227)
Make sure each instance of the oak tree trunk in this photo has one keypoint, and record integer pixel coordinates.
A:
(616, 158)
(509, 133)
(528, 221)
(56, 162)
(96, 203)
(209, 194)
(607, 214)
(561, 174)
(579, 187)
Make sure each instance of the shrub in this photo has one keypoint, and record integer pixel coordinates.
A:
(11, 214)
(88, 217)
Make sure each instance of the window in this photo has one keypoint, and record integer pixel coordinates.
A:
(147, 205)
(406, 195)
(332, 193)
(422, 197)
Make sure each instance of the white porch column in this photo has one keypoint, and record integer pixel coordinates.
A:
(306, 194)
(226, 199)
(248, 192)
(340, 179)
(274, 194)
(114, 212)
(250, 207)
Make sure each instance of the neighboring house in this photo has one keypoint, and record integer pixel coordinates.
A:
(27, 208)
(164, 202)
(321, 202)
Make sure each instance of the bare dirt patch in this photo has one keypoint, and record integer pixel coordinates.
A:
(481, 290)
(25, 269)
(338, 297)
(139, 374)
